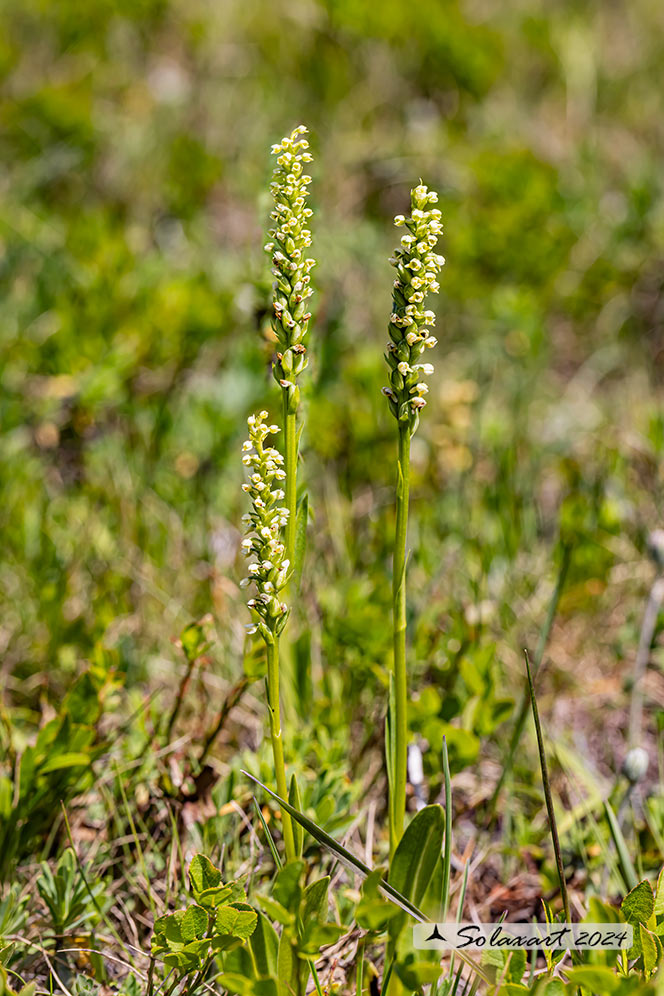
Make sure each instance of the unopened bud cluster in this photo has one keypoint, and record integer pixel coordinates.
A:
(291, 266)
(263, 545)
(417, 267)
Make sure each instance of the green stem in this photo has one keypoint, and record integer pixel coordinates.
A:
(553, 826)
(447, 849)
(274, 708)
(359, 957)
(387, 976)
(290, 466)
(398, 803)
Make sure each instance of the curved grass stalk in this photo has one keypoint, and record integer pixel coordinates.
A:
(355, 865)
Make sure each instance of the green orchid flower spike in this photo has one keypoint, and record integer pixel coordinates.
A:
(268, 572)
(417, 266)
(291, 266)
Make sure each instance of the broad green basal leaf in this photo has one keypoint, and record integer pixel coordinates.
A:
(236, 920)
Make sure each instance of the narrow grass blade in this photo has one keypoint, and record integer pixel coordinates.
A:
(547, 793)
(522, 714)
(462, 899)
(342, 853)
(300, 539)
(457, 980)
(359, 977)
(346, 858)
(273, 847)
(390, 745)
(447, 847)
(298, 832)
(626, 867)
(387, 976)
(137, 843)
(81, 870)
(462, 893)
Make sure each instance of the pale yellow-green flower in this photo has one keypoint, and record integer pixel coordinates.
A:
(410, 325)
(263, 545)
(291, 266)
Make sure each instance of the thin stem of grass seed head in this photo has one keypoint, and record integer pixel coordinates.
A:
(417, 267)
(269, 572)
(655, 599)
(545, 633)
(548, 797)
(289, 240)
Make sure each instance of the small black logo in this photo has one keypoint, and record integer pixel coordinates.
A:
(434, 935)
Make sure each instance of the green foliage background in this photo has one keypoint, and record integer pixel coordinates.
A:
(134, 151)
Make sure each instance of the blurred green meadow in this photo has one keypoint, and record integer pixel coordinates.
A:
(135, 141)
(135, 340)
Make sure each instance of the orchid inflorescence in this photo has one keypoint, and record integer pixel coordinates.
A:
(269, 570)
(417, 267)
(290, 265)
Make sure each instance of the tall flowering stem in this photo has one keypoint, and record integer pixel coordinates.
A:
(417, 267)
(289, 240)
(268, 572)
